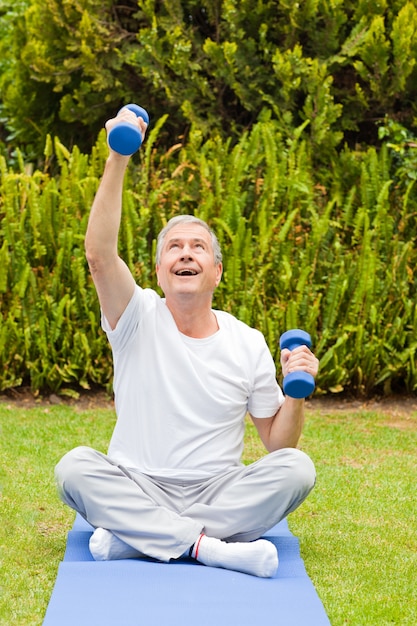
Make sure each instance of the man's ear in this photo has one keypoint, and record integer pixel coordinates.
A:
(219, 273)
(157, 273)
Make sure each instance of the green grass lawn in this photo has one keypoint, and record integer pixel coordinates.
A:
(357, 529)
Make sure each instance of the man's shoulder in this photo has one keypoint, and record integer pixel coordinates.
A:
(143, 301)
(147, 295)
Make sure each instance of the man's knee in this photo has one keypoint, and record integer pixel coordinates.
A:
(305, 470)
(71, 467)
(300, 468)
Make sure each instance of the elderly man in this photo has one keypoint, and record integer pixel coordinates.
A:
(185, 376)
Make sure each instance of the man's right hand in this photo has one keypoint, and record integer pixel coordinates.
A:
(129, 117)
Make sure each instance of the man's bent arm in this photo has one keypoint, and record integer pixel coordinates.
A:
(282, 430)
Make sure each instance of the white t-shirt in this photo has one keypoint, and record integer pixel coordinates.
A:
(181, 402)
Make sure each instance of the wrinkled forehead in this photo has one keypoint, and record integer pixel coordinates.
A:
(188, 232)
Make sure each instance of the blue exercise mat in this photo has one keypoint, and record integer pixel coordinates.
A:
(136, 592)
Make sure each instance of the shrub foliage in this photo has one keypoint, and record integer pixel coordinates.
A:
(217, 64)
(335, 259)
(289, 127)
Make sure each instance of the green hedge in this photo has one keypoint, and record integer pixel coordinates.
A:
(217, 64)
(333, 254)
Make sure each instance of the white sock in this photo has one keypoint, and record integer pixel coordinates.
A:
(259, 558)
(104, 546)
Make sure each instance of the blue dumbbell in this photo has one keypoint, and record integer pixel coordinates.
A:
(297, 384)
(125, 138)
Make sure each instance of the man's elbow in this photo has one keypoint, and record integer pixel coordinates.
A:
(98, 258)
(281, 445)
(93, 259)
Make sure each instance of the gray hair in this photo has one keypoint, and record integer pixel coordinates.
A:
(187, 219)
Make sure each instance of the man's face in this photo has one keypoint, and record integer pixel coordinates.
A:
(187, 262)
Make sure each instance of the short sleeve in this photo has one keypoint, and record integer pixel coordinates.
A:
(267, 396)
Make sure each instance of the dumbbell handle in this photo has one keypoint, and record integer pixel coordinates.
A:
(126, 138)
(297, 384)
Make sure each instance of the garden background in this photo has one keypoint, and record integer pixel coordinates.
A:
(292, 128)
(289, 127)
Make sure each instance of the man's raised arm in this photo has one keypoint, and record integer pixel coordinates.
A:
(112, 278)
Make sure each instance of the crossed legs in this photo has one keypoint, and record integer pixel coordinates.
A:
(165, 519)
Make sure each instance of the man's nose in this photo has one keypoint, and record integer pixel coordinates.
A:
(186, 253)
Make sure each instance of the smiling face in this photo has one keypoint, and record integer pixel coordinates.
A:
(187, 265)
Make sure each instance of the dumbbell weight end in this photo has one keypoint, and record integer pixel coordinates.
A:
(298, 384)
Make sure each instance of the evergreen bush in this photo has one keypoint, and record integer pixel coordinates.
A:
(216, 64)
(335, 259)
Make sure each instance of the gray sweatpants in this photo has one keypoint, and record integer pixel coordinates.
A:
(163, 518)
